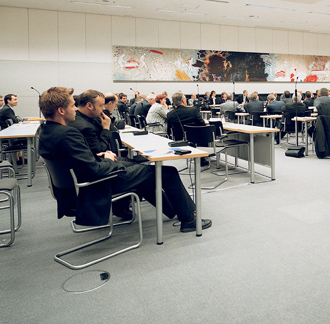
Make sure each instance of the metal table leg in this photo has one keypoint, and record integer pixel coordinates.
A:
(252, 157)
(272, 155)
(198, 197)
(159, 202)
(29, 160)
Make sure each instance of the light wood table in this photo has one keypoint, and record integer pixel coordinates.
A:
(305, 120)
(205, 113)
(271, 118)
(155, 149)
(24, 130)
(243, 115)
(261, 145)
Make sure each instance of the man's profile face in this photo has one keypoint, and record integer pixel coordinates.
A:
(113, 105)
(123, 99)
(98, 106)
(13, 101)
(1, 101)
(70, 112)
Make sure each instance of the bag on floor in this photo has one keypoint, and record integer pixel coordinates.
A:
(295, 151)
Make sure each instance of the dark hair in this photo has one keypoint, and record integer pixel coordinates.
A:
(121, 95)
(89, 96)
(308, 94)
(109, 98)
(8, 97)
(54, 98)
(324, 92)
(287, 94)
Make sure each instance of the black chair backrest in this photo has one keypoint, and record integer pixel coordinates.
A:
(200, 135)
(218, 127)
(133, 121)
(255, 117)
(230, 116)
(60, 173)
(142, 121)
(116, 143)
(177, 132)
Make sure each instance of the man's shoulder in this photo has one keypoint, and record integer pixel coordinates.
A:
(80, 122)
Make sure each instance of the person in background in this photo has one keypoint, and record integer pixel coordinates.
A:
(158, 114)
(1, 101)
(122, 107)
(137, 100)
(192, 99)
(308, 102)
(207, 98)
(322, 103)
(274, 106)
(286, 97)
(223, 97)
(213, 99)
(243, 98)
(143, 107)
(231, 105)
(132, 101)
(168, 101)
(7, 111)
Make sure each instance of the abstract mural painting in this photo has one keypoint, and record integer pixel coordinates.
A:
(160, 64)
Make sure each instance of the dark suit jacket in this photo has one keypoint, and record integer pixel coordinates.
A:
(216, 101)
(122, 108)
(64, 143)
(142, 108)
(240, 99)
(6, 112)
(291, 110)
(254, 106)
(322, 136)
(309, 102)
(275, 107)
(323, 105)
(187, 116)
(98, 139)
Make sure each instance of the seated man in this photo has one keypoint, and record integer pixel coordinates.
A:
(274, 107)
(230, 105)
(59, 142)
(7, 111)
(182, 115)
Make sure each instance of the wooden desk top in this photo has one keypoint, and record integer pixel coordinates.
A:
(20, 130)
(242, 114)
(303, 119)
(155, 148)
(248, 129)
(271, 116)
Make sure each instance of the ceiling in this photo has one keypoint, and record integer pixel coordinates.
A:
(299, 15)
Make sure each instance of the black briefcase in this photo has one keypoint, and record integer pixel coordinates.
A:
(295, 151)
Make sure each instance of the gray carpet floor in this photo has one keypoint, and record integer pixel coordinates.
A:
(266, 259)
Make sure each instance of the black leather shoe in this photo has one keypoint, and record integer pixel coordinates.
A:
(124, 214)
(204, 162)
(191, 226)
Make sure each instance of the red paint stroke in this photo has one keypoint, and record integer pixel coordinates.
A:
(132, 64)
(157, 52)
(311, 78)
(280, 74)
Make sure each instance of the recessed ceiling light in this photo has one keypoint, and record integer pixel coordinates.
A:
(101, 4)
(171, 11)
(194, 13)
(266, 7)
(320, 13)
(221, 1)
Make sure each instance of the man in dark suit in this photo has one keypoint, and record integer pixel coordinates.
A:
(143, 106)
(59, 142)
(291, 110)
(7, 111)
(254, 105)
(122, 107)
(274, 107)
(322, 103)
(182, 115)
(242, 99)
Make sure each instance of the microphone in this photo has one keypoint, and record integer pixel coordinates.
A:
(37, 91)
(132, 89)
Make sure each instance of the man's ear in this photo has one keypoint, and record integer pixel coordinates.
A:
(89, 106)
(60, 110)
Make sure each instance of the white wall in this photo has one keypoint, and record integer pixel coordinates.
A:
(49, 48)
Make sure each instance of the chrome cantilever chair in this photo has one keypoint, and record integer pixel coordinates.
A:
(10, 188)
(65, 179)
(144, 125)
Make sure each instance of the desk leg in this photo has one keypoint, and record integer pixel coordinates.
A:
(264, 122)
(306, 136)
(272, 155)
(198, 197)
(29, 161)
(159, 202)
(296, 129)
(252, 157)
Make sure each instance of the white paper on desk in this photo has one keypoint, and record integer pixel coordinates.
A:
(158, 152)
